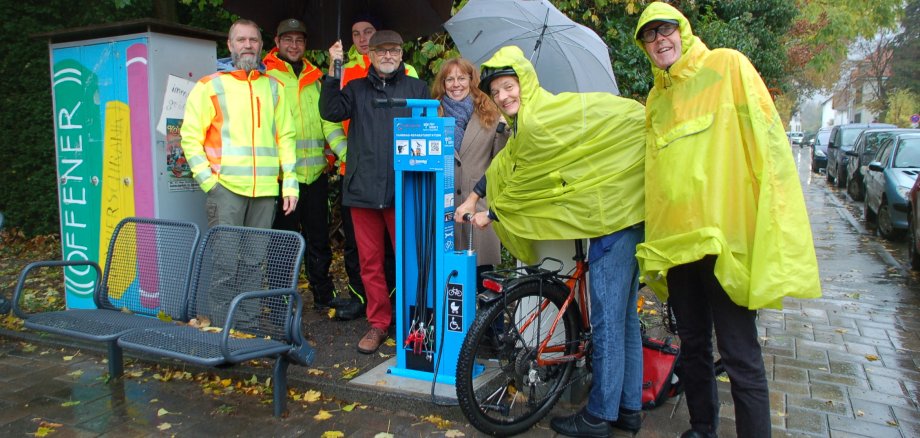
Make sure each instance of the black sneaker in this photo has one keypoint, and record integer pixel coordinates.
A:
(630, 422)
(339, 301)
(353, 310)
(578, 426)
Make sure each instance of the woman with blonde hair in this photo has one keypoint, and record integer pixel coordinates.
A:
(478, 136)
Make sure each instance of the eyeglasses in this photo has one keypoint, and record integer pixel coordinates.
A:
(294, 41)
(649, 35)
(457, 79)
(392, 52)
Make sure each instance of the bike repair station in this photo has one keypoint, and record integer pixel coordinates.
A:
(435, 284)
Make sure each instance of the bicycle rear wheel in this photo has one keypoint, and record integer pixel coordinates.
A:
(501, 388)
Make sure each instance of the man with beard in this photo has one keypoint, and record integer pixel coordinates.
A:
(238, 136)
(369, 184)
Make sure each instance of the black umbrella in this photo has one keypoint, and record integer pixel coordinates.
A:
(326, 20)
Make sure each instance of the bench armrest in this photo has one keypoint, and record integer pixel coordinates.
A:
(294, 329)
(20, 284)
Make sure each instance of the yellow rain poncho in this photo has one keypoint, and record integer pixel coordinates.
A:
(572, 168)
(720, 178)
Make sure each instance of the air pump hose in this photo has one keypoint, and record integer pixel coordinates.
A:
(437, 362)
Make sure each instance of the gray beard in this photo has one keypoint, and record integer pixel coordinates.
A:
(248, 65)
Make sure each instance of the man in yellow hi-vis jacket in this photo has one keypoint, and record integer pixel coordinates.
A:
(237, 133)
(726, 231)
(302, 82)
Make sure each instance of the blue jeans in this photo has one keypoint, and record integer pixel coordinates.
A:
(617, 357)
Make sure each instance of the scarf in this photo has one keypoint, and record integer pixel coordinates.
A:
(461, 111)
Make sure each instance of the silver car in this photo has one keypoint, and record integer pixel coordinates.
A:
(891, 175)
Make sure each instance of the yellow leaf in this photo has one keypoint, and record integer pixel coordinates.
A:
(68, 358)
(226, 382)
(437, 421)
(453, 433)
(161, 412)
(322, 415)
(722, 378)
(871, 357)
(70, 403)
(389, 342)
(162, 316)
(860, 413)
(43, 431)
(240, 335)
(349, 408)
(331, 313)
(350, 372)
(164, 426)
(892, 423)
(314, 372)
(384, 435)
(134, 374)
(126, 310)
(154, 400)
(311, 396)
(76, 373)
(333, 433)
(212, 329)
(28, 348)
(652, 312)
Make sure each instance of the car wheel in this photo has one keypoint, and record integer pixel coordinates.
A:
(828, 173)
(912, 244)
(885, 227)
(853, 188)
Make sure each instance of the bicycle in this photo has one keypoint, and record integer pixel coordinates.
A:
(516, 360)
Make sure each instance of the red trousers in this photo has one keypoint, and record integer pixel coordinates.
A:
(371, 228)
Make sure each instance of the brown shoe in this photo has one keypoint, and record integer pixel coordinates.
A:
(372, 340)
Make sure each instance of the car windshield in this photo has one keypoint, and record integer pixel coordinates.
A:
(908, 153)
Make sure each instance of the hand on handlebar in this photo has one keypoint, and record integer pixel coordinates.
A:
(466, 210)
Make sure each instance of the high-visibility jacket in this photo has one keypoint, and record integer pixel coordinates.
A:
(720, 178)
(237, 132)
(312, 132)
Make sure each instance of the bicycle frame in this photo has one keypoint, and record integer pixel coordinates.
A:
(577, 292)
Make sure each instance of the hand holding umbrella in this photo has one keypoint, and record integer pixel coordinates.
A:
(336, 55)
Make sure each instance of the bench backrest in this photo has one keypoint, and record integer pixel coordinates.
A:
(233, 260)
(148, 266)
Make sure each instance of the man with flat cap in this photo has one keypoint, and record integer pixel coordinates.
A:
(302, 83)
(369, 184)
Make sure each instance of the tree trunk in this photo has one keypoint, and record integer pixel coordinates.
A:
(165, 10)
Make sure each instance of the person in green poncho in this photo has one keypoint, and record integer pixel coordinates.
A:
(573, 169)
(726, 231)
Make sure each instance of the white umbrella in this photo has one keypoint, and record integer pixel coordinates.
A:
(566, 55)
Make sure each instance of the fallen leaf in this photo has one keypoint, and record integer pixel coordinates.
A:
(28, 348)
(161, 412)
(350, 372)
(126, 310)
(70, 403)
(722, 378)
(311, 396)
(453, 433)
(240, 335)
(212, 329)
(860, 413)
(841, 330)
(437, 421)
(332, 433)
(164, 426)
(871, 357)
(384, 435)
(331, 313)
(134, 374)
(72, 356)
(892, 423)
(315, 372)
(163, 316)
(381, 383)
(226, 382)
(390, 342)
(349, 408)
(43, 431)
(322, 415)
(76, 373)
(154, 400)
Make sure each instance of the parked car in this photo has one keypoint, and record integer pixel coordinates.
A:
(862, 153)
(892, 173)
(819, 150)
(843, 137)
(795, 137)
(913, 216)
(809, 139)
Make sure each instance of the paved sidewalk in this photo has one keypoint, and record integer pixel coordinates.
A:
(845, 365)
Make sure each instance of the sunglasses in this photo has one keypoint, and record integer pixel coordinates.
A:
(649, 35)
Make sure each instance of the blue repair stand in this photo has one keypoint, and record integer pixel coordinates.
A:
(423, 148)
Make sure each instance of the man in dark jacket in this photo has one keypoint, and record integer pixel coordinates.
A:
(369, 183)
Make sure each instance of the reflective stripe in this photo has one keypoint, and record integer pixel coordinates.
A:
(311, 161)
(220, 92)
(263, 171)
(247, 151)
(310, 143)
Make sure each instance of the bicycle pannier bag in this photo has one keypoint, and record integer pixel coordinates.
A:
(659, 381)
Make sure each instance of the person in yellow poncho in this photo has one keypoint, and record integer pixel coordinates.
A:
(726, 229)
(573, 169)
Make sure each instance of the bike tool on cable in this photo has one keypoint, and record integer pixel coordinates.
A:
(436, 285)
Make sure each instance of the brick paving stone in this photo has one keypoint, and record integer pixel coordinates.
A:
(819, 404)
(887, 385)
(839, 379)
(790, 374)
(861, 427)
(872, 411)
(798, 419)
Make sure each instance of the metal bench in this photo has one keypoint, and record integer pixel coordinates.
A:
(147, 270)
(243, 297)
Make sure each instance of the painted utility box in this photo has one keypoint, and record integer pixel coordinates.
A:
(118, 91)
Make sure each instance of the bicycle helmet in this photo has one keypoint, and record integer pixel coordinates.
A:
(490, 73)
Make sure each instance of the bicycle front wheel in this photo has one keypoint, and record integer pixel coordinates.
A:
(501, 387)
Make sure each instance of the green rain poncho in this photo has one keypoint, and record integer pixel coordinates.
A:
(572, 168)
(720, 178)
